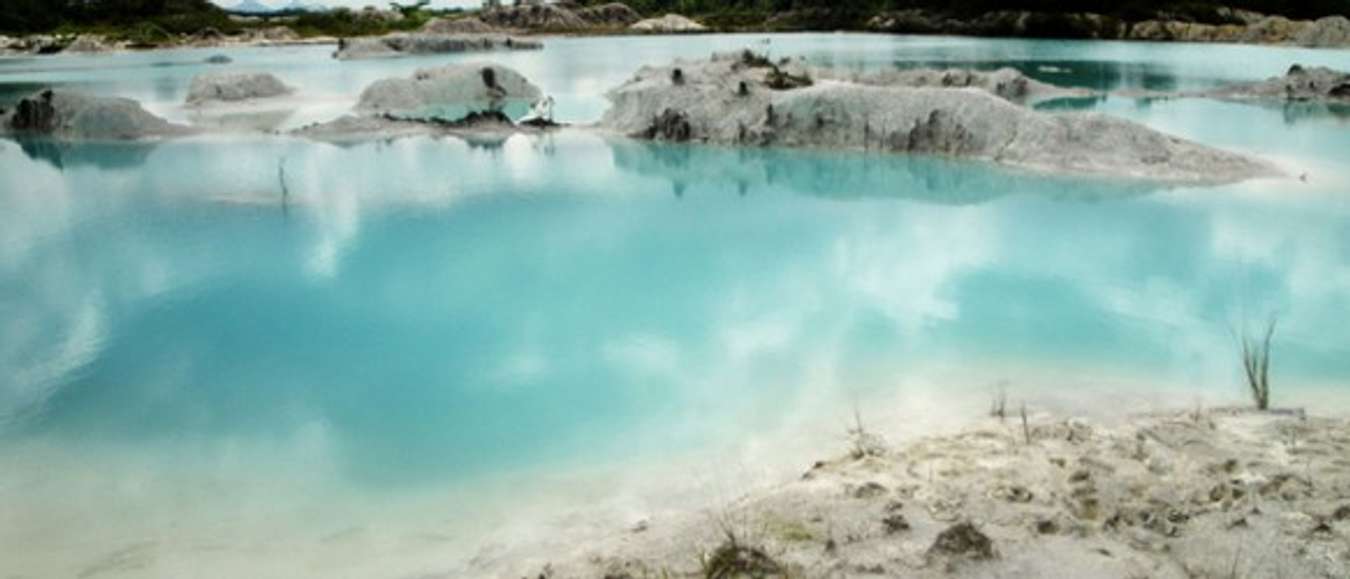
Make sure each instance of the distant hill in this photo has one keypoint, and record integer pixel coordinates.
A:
(252, 7)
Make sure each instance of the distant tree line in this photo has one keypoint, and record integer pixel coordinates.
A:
(153, 18)
(170, 16)
(1197, 10)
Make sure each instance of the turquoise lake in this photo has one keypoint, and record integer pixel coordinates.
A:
(282, 358)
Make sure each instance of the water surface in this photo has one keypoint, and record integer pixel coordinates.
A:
(271, 357)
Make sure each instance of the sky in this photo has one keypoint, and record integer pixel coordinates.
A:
(357, 3)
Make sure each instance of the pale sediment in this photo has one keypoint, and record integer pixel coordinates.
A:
(745, 101)
(1222, 493)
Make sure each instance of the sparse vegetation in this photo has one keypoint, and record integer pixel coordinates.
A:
(1026, 428)
(150, 23)
(114, 17)
(754, 59)
(999, 407)
(779, 79)
(737, 558)
(1256, 364)
(864, 443)
(733, 560)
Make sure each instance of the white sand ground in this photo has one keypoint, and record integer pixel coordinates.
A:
(1205, 493)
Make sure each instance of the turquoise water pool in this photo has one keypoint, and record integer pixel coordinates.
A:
(210, 344)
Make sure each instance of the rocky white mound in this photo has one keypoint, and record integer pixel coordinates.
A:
(1298, 84)
(421, 43)
(667, 24)
(234, 88)
(75, 116)
(1007, 83)
(468, 25)
(746, 100)
(1220, 494)
(534, 17)
(466, 88)
(614, 14)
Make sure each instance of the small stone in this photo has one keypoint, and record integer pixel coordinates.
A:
(1342, 513)
(1217, 493)
(963, 540)
(869, 490)
(895, 523)
(1013, 494)
(1322, 529)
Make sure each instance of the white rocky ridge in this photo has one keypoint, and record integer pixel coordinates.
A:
(450, 92)
(425, 43)
(740, 100)
(1329, 31)
(668, 24)
(533, 16)
(468, 25)
(1007, 83)
(234, 88)
(613, 14)
(75, 116)
(1298, 84)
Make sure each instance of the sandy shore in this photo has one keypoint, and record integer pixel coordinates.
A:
(1204, 493)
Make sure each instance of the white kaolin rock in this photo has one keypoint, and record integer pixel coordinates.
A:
(451, 93)
(667, 24)
(76, 116)
(235, 87)
(753, 102)
(428, 43)
(1318, 84)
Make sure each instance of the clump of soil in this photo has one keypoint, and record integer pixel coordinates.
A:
(733, 560)
(965, 541)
